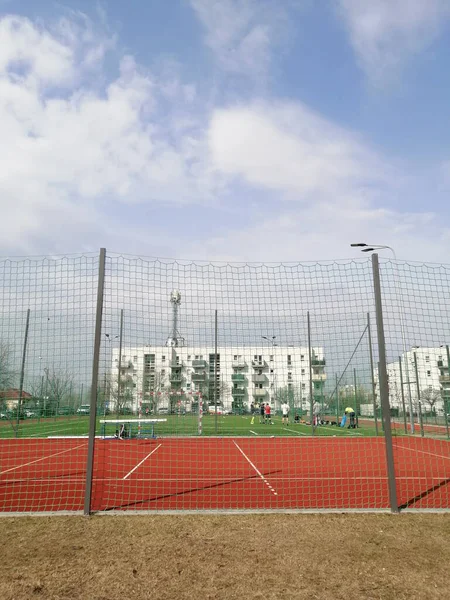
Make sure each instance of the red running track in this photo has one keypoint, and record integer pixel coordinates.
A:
(222, 473)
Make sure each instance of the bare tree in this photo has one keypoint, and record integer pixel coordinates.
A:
(120, 393)
(430, 398)
(58, 388)
(7, 374)
(153, 388)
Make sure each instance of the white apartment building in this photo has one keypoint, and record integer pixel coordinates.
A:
(164, 376)
(432, 381)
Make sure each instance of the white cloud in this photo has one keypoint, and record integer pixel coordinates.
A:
(386, 33)
(288, 147)
(323, 188)
(243, 33)
(69, 143)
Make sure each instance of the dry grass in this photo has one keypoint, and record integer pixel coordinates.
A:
(236, 556)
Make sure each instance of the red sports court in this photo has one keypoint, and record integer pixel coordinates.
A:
(229, 473)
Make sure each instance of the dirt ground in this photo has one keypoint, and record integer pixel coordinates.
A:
(226, 556)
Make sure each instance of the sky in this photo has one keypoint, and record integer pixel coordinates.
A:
(229, 130)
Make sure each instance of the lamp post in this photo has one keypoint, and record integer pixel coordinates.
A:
(373, 248)
(273, 343)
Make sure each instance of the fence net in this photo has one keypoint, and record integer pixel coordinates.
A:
(221, 386)
(417, 325)
(46, 346)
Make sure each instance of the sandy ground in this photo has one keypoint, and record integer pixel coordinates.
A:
(226, 556)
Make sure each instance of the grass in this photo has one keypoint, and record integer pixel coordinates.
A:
(228, 425)
(224, 557)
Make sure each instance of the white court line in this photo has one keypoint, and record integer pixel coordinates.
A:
(45, 480)
(297, 432)
(257, 471)
(143, 460)
(422, 451)
(254, 432)
(43, 458)
(45, 432)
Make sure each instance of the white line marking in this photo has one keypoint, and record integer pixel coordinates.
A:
(422, 451)
(254, 432)
(297, 432)
(44, 480)
(43, 458)
(143, 460)
(257, 471)
(45, 432)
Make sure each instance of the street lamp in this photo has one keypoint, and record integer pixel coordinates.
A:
(272, 341)
(374, 248)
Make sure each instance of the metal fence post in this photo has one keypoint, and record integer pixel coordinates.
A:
(22, 373)
(119, 374)
(94, 384)
(402, 390)
(384, 390)
(215, 370)
(374, 399)
(419, 403)
(311, 397)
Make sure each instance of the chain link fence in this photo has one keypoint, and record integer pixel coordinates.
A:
(130, 383)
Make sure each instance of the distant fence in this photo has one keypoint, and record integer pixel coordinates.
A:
(130, 383)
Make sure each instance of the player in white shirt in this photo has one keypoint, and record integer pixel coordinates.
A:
(285, 413)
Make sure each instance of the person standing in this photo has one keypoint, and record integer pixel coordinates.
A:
(285, 413)
(261, 412)
(316, 413)
(267, 414)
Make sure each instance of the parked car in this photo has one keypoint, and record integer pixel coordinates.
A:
(84, 409)
(163, 411)
(29, 414)
(3, 416)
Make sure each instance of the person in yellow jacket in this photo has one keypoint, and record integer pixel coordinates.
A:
(351, 416)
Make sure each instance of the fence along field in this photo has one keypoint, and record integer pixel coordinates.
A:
(137, 384)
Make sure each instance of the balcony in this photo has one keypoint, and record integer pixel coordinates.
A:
(319, 377)
(198, 377)
(175, 378)
(259, 364)
(176, 365)
(260, 379)
(199, 364)
(238, 377)
(444, 378)
(239, 364)
(318, 362)
(259, 393)
(238, 392)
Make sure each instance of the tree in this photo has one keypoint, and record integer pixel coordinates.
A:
(121, 399)
(58, 389)
(7, 374)
(430, 398)
(154, 387)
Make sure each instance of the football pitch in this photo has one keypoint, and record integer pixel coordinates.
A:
(185, 425)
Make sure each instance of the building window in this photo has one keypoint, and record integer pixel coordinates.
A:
(189, 357)
(427, 359)
(163, 358)
(303, 371)
(163, 372)
(271, 358)
(302, 357)
(303, 386)
(235, 357)
(428, 373)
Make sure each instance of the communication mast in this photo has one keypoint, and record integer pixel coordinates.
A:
(175, 340)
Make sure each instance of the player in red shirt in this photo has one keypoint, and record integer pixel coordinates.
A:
(267, 413)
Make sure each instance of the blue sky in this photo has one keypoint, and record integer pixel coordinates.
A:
(225, 129)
